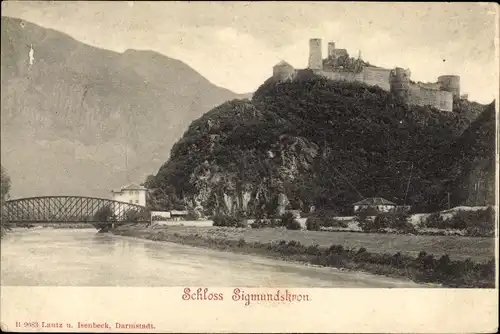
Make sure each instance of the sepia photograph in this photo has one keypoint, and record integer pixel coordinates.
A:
(265, 148)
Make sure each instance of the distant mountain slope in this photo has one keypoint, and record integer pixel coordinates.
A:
(69, 117)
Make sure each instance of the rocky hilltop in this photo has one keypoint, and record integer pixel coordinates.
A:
(70, 111)
(322, 143)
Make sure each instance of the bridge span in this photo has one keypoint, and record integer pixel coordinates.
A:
(72, 209)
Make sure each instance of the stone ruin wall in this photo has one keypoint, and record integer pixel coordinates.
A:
(438, 94)
(340, 75)
(370, 76)
(420, 94)
(423, 96)
(377, 77)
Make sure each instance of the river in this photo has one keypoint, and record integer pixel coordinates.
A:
(81, 257)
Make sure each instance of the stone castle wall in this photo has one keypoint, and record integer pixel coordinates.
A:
(418, 94)
(423, 96)
(370, 76)
(438, 94)
(340, 75)
(377, 77)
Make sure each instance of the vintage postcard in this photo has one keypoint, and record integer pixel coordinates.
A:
(249, 167)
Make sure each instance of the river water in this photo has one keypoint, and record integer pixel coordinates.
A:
(81, 257)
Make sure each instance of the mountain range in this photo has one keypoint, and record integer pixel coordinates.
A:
(80, 120)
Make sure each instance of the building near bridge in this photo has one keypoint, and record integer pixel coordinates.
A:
(132, 194)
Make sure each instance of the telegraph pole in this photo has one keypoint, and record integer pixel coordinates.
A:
(408, 184)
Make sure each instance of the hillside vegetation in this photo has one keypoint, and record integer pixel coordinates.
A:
(321, 143)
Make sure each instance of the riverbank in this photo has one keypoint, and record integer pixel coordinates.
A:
(55, 225)
(320, 248)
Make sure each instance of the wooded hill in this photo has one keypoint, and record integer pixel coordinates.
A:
(327, 144)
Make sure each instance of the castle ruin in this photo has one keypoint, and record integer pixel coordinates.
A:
(338, 65)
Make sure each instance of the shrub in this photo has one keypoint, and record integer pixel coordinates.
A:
(475, 223)
(104, 214)
(258, 223)
(192, 214)
(368, 225)
(228, 221)
(132, 215)
(289, 222)
(399, 222)
(241, 223)
(159, 218)
(363, 219)
(323, 219)
(434, 220)
(313, 250)
(241, 242)
(263, 223)
(383, 221)
(313, 224)
(332, 222)
(275, 222)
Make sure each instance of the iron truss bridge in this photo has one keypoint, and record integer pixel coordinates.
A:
(72, 209)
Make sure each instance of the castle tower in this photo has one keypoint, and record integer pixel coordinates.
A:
(283, 71)
(315, 57)
(399, 80)
(450, 83)
(331, 49)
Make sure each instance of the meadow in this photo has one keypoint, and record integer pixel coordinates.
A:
(478, 249)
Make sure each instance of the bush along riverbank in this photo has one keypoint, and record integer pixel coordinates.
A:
(424, 268)
(3, 230)
(480, 223)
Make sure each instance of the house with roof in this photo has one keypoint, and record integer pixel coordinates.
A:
(378, 204)
(133, 194)
(178, 214)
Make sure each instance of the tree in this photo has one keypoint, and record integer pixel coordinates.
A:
(5, 185)
(132, 215)
(104, 214)
(289, 222)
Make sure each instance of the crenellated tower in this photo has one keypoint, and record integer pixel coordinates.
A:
(331, 49)
(450, 83)
(283, 71)
(315, 55)
(399, 80)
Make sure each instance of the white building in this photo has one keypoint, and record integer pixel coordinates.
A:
(376, 203)
(178, 215)
(133, 194)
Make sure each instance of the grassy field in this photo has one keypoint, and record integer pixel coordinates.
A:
(457, 247)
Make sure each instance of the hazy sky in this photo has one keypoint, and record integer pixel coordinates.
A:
(236, 44)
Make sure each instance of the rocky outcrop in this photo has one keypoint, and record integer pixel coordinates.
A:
(473, 162)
